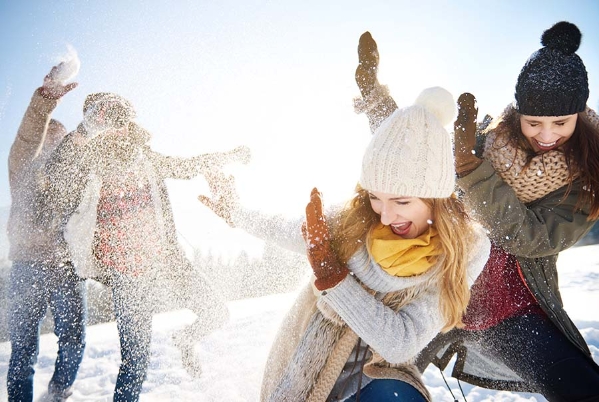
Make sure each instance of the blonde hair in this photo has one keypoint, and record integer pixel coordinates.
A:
(351, 230)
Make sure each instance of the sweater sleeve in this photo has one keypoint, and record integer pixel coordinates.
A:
(185, 168)
(542, 228)
(173, 167)
(278, 229)
(30, 135)
(396, 336)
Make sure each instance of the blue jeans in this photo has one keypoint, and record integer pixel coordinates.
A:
(131, 298)
(388, 390)
(35, 286)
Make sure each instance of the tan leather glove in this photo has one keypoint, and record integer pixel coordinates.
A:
(465, 135)
(327, 269)
(224, 198)
(376, 102)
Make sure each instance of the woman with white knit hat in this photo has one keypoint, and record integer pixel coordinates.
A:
(389, 273)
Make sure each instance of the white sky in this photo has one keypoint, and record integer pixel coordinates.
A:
(277, 76)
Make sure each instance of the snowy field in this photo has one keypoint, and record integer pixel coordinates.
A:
(233, 357)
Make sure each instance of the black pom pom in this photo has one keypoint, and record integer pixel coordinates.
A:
(563, 36)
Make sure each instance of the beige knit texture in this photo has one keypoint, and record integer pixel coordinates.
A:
(544, 174)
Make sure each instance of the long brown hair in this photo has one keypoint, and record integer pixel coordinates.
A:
(351, 230)
(581, 152)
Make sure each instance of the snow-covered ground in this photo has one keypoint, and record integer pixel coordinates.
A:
(233, 357)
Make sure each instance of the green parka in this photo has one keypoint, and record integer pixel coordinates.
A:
(534, 233)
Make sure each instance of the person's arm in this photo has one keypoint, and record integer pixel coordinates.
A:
(542, 228)
(32, 131)
(224, 202)
(396, 336)
(376, 102)
(186, 168)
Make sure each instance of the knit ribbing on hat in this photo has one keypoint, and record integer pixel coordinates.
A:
(411, 153)
(554, 81)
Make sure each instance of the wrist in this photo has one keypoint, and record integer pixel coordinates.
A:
(467, 166)
(330, 281)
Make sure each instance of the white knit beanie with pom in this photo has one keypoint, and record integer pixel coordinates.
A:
(411, 153)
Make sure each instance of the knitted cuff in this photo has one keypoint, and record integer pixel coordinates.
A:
(373, 100)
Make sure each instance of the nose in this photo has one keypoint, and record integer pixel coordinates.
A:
(386, 216)
(546, 135)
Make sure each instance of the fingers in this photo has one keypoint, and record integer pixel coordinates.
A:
(368, 61)
(53, 90)
(207, 201)
(52, 74)
(316, 199)
(304, 232)
(467, 112)
(70, 87)
(218, 182)
(243, 154)
(367, 51)
(220, 208)
(316, 228)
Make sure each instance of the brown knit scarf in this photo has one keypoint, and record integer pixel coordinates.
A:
(530, 180)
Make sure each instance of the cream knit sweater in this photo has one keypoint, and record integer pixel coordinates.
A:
(395, 336)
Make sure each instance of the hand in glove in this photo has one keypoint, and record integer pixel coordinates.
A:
(465, 135)
(224, 196)
(53, 88)
(375, 102)
(328, 271)
(368, 64)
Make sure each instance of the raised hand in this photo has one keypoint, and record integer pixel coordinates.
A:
(376, 102)
(465, 135)
(327, 269)
(224, 199)
(54, 88)
(368, 64)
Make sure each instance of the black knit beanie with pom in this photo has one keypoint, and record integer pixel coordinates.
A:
(554, 81)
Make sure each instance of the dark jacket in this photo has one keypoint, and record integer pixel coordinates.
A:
(535, 233)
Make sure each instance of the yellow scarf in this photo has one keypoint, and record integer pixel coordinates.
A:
(403, 257)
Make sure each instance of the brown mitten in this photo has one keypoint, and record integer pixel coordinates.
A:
(376, 101)
(465, 135)
(328, 271)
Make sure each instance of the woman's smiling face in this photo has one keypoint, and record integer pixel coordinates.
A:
(545, 133)
(408, 217)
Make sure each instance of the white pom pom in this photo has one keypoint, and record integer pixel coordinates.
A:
(439, 102)
(68, 67)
